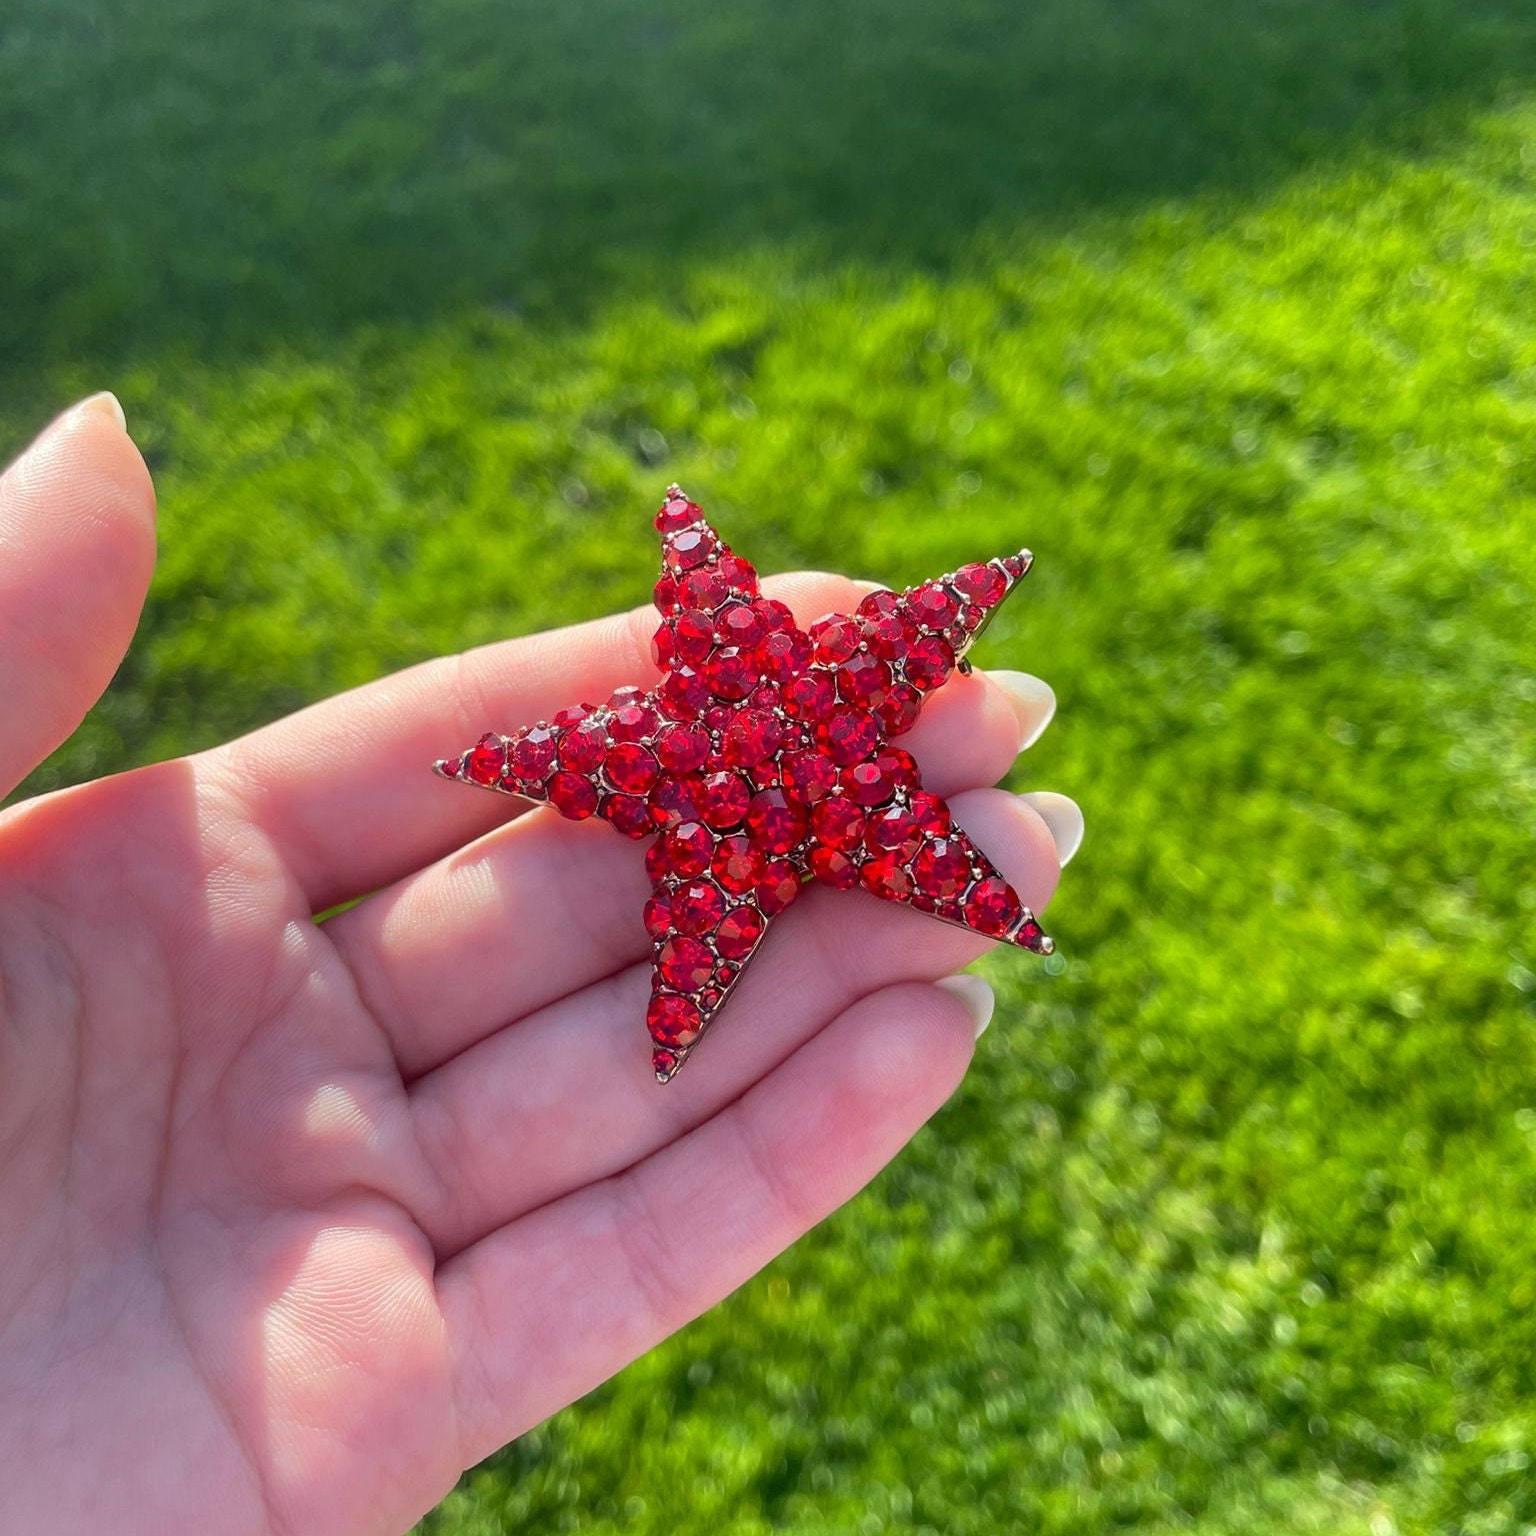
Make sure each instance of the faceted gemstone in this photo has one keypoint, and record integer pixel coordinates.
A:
(890, 635)
(942, 868)
(453, 768)
(677, 799)
(784, 654)
(887, 875)
(848, 734)
(582, 746)
(900, 710)
(693, 636)
(810, 695)
(833, 867)
(718, 716)
(868, 783)
(992, 907)
(732, 672)
(676, 513)
(726, 797)
(863, 679)
(810, 775)
(663, 647)
(697, 906)
(739, 574)
(929, 662)
(673, 1020)
(664, 594)
(893, 831)
(765, 696)
(739, 932)
(631, 722)
(753, 736)
(664, 1063)
(1017, 564)
(573, 715)
(765, 775)
(776, 822)
(931, 812)
(690, 848)
(685, 692)
(532, 754)
(1032, 936)
(737, 865)
(984, 585)
(658, 917)
(774, 614)
(778, 887)
(739, 625)
(933, 606)
(622, 698)
(835, 639)
(483, 763)
(837, 823)
(685, 963)
(689, 548)
(704, 589)
(573, 795)
(681, 748)
(710, 997)
(901, 765)
(878, 605)
(630, 767)
(629, 813)
(657, 864)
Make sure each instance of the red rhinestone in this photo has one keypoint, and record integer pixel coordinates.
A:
(784, 654)
(663, 647)
(894, 831)
(658, 917)
(833, 867)
(887, 876)
(864, 679)
(1017, 564)
(484, 764)
(732, 672)
(900, 765)
(704, 589)
(739, 932)
(572, 795)
(739, 625)
(693, 637)
(942, 868)
(848, 734)
(775, 821)
(737, 865)
(869, 783)
(929, 661)
(632, 722)
(773, 614)
(676, 513)
(931, 812)
(582, 747)
(685, 963)
(710, 998)
(751, 738)
(697, 906)
(726, 797)
(992, 907)
(739, 573)
(878, 605)
(630, 767)
(573, 715)
(685, 692)
(810, 774)
(664, 594)
(900, 710)
(890, 636)
(984, 585)
(664, 1063)
(677, 799)
(690, 848)
(629, 813)
(837, 823)
(765, 775)
(673, 1020)
(689, 548)
(765, 696)
(1031, 936)
(682, 748)
(453, 768)
(718, 716)
(810, 695)
(835, 638)
(622, 698)
(778, 887)
(657, 864)
(533, 754)
(933, 606)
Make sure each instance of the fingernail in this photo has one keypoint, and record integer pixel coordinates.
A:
(977, 996)
(1064, 817)
(105, 404)
(1033, 702)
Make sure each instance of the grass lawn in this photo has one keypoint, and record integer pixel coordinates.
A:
(1229, 312)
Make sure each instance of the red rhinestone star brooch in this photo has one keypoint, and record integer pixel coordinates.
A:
(762, 762)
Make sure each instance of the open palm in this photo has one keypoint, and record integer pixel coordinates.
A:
(298, 1220)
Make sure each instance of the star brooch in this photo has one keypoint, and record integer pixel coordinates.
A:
(762, 762)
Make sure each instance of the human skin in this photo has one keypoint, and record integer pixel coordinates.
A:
(298, 1220)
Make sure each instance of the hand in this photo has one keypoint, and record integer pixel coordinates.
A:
(301, 1219)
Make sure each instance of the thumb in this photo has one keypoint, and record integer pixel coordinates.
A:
(77, 548)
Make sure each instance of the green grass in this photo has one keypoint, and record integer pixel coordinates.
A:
(1228, 313)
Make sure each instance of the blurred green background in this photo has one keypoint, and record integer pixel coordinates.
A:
(1227, 309)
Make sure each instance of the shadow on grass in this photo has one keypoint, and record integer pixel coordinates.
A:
(206, 174)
